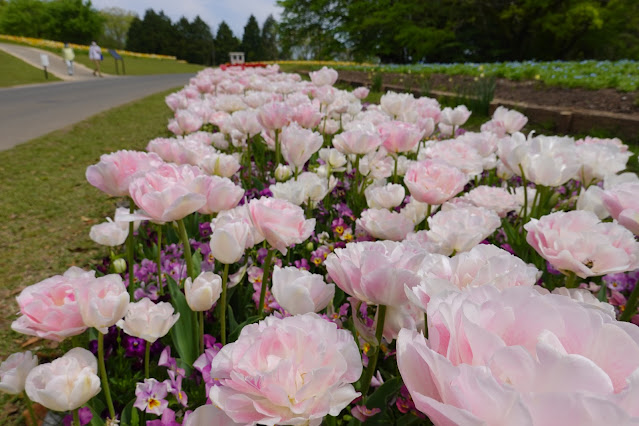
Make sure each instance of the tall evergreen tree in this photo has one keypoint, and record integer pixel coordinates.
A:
(225, 42)
(269, 39)
(194, 41)
(154, 34)
(252, 41)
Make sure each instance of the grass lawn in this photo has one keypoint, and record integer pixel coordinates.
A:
(50, 207)
(138, 66)
(14, 72)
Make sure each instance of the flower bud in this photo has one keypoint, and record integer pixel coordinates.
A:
(119, 266)
(283, 173)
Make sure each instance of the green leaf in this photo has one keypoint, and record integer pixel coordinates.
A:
(96, 406)
(130, 416)
(197, 262)
(182, 332)
(235, 333)
(381, 397)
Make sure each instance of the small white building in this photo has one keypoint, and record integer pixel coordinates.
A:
(236, 57)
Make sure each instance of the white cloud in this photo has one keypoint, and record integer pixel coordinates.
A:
(234, 12)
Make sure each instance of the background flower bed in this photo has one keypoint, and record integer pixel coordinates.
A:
(194, 231)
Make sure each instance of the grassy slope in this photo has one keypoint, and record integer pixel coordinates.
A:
(138, 66)
(49, 205)
(14, 72)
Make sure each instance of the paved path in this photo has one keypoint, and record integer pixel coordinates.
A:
(27, 112)
(57, 67)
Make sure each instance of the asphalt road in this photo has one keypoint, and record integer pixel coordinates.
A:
(30, 111)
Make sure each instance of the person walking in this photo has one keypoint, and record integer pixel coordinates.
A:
(95, 54)
(68, 56)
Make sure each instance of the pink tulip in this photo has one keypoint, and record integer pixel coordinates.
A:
(460, 153)
(65, 384)
(147, 320)
(274, 115)
(385, 225)
(385, 197)
(462, 228)
(376, 272)
(483, 265)
(102, 301)
(14, 371)
(398, 136)
(115, 171)
(397, 104)
(281, 223)
(300, 292)
(577, 241)
(279, 372)
(455, 116)
(307, 115)
(206, 415)
(493, 198)
(361, 92)
(517, 356)
(357, 141)
(434, 182)
(188, 121)
(219, 164)
(203, 292)
(299, 144)
(622, 201)
(324, 77)
(176, 101)
(229, 240)
(221, 194)
(505, 121)
(49, 308)
(170, 192)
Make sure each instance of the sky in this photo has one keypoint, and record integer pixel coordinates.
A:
(234, 12)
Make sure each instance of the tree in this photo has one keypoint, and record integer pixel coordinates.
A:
(225, 42)
(310, 29)
(270, 40)
(154, 34)
(61, 20)
(115, 26)
(194, 41)
(252, 41)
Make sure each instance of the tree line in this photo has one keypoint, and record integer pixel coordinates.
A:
(412, 31)
(195, 43)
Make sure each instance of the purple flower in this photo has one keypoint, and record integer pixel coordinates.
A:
(302, 264)
(617, 282)
(150, 396)
(168, 419)
(85, 415)
(205, 229)
(133, 346)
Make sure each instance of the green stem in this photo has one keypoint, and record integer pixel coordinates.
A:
(147, 357)
(571, 280)
(395, 169)
(201, 339)
(129, 249)
(103, 375)
(631, 305)
(159, 260)
(267, 268)
(187, 249)
(32, 414)
(225, 278)
(372, 360)
(525, 188)
(278, 149)
(76, 417)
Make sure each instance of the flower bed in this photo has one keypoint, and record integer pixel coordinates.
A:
(622, 75)
(293, 255)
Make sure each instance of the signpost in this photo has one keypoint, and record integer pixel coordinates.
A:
(44, 59)
(117, 57)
